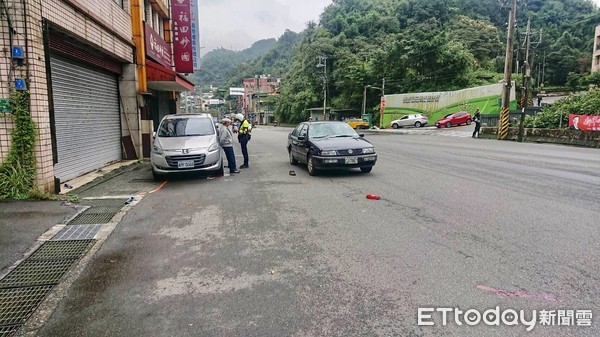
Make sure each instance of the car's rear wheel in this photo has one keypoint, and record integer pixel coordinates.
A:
(448, 124)
(468, 122)
(293, 160)
(310, 165)
(394, 126)
(366, 169)
(418, 124)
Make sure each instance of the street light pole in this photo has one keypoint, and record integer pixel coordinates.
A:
(364, 107)
(323, 63)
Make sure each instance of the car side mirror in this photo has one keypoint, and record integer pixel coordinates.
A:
(361, 135)
(154, 134)
(301, 138)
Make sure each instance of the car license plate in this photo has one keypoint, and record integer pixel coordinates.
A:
(185, 164)
(351, 160)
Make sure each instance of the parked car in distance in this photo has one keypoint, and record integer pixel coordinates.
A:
(417, 120)
(458, 118)
(330, 145)
(357, 123)
(186, 143)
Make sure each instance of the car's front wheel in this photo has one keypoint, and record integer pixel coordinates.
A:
(366, 169)
(156, 176)
(448, 124)
(418, 124)
(310, 165)
(468, 122)
(394, 126)
(293, 160)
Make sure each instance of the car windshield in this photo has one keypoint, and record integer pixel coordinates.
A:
(448, 115)
(186, 127)
(325, 130)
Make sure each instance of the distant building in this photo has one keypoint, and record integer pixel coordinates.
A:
(596, 55)
(255, 90)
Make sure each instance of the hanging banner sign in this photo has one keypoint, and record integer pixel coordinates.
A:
(182, 36)
(195, 27)
(584, 122)
(382, 105)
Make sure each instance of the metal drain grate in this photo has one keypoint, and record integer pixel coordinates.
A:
(92, 218)
(61, 250)
(77, 232)
(8, 331)
(17, 304)
(103, 209)
(104, 202)
(34, 273)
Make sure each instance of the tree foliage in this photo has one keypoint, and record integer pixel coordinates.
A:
(418, 45)
(587, 103)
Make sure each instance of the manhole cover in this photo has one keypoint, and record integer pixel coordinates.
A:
(34, 273)
(77, 232)
(91, 218)
(61, 250)
(17, 304)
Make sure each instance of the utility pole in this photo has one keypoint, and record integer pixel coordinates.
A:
(364, 107)
(505, 112)
(323, 63)
(526, 77)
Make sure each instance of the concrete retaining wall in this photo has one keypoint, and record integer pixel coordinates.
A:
(561, 136)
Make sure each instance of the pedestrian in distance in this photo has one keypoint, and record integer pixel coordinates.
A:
(539, 100)
(477, 120)
(244, 137)
(226, 141)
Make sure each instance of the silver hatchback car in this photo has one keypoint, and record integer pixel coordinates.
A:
(186, 143)
(418, 120)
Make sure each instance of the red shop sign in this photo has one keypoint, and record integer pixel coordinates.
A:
(156, 48)
(182, 36)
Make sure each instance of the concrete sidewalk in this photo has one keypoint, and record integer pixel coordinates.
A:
(23, 222)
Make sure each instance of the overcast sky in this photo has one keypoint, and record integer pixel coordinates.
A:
(236, 24)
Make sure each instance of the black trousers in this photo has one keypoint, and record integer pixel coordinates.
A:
(230, 158)
(477, 128)
(244, 144)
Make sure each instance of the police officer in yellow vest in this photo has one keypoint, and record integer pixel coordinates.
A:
(244, 137)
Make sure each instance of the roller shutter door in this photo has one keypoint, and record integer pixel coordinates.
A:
(87, 118)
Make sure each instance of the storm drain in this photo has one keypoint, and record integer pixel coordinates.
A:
(77, 232)
(7, 331)
(104, 202)
(103, 209)
(17, 304)
(61, 250)
(86, 218)
(47, 264)
(32, 273)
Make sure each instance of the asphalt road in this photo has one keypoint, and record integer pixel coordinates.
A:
(467, 223)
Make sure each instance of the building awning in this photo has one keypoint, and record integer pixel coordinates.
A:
(161, 78)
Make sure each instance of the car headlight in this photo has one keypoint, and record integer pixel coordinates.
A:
(214, 147)
(157, 149)
(329, 153)
(369, 150)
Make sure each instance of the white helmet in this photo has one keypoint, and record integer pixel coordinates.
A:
(239, 117)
